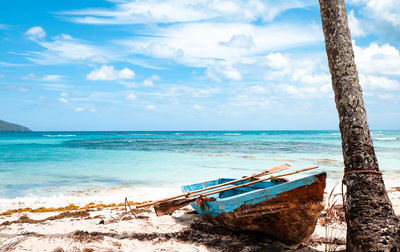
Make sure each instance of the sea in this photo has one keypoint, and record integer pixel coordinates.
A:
(54, 165)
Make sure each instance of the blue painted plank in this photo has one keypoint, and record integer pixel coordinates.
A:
(232, 199)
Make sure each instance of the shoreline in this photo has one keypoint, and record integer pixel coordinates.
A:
(107, 197)
(117, 195)
(107, 226)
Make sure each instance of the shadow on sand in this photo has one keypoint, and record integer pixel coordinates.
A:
(200, 231)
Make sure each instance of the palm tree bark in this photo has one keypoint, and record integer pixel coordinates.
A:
(371, 222)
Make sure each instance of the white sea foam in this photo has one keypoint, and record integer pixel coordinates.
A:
(385, 138)
(117, 195)
(60, 135)
(106, 197)
(232, 134)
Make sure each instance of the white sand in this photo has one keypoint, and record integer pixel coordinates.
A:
(145, 233)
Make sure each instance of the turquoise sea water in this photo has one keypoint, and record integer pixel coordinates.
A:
(54, 163)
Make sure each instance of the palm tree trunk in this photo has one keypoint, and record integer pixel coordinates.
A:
(371, 222)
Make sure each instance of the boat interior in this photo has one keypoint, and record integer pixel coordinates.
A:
(229, 193)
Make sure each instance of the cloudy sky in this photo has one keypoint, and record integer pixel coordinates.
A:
(189, 65)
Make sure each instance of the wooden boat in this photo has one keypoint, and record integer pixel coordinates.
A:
(286, 211)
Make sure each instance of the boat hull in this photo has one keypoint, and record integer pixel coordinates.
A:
(289, 216)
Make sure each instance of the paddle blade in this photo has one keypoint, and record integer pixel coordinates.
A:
(275, 169)
(171, 206)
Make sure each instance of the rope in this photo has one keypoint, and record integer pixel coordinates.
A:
(355, 172)
(363, 171)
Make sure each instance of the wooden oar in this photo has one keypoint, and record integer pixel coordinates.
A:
(187, 194)
(168, 207)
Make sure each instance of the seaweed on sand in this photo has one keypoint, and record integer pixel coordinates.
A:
(68, 214)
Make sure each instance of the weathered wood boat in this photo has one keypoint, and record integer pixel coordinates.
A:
(286, 211)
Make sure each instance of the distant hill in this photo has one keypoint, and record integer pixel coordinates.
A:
(6, 126)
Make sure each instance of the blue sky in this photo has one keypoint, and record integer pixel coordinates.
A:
(188, 65)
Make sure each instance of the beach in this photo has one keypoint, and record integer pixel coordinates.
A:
(113, 227)
(65, 191)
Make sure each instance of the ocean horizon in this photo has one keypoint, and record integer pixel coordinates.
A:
(54, 164)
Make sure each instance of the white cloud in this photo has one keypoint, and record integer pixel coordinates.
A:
(386, 96)
(128, 84)
(157, 11)
(113, 97)
(312, 79)
(380, 17)
(198, 107)
(221, 70)
(63, 97)
(355, 26)
(299, 76)
(149, 82)
(371, 82)
(258, 89)
(108, 73)
(222, 38)
(6, 64)
(17, 88)
(162, 50)
(35, 32)
(199, 44)
(31, 76)
(55, 87)
(305, 77)
(65, 49)
(304, 91)
(377, 59)
(225, 34)
(172, 93)
(81, 109)
(201, 93)
(150, 107)
(239, 41)
(144, 63)
(63, 100)
(384, 10)
(131, 97)
(125, 74)
(308, 85)
(244, 100)
(276, 61)
(51, 78)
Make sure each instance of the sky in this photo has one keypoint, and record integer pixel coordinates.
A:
(189, 65)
